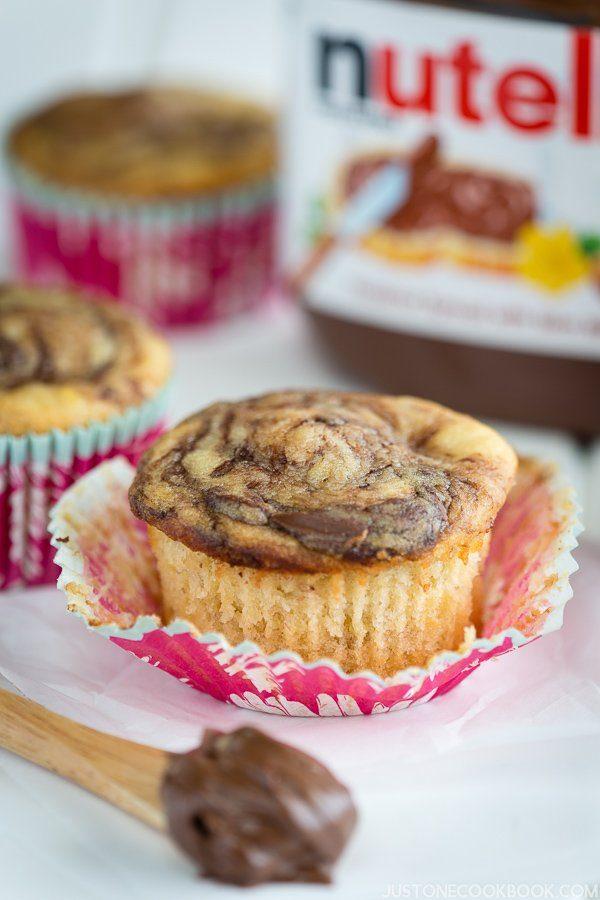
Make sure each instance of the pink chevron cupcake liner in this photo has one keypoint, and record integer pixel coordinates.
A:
(110, 580)
(174, 263)
(36, 470)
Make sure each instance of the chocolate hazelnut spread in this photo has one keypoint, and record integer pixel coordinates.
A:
(481, 287)
(248, 809)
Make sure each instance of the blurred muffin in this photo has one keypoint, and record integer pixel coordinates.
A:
(79, 382)
(165, 193)
(148, 143)
(348, 526)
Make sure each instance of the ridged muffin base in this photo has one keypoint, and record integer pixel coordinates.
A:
(382, 618)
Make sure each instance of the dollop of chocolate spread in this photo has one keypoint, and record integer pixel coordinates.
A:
(299, 479)
(248, 809)
(52, 338)
(475, 202)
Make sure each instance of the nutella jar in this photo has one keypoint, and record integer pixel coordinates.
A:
(443, 199)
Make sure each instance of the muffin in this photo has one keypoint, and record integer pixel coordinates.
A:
(341, 525)
(160, 196)
(79, 382)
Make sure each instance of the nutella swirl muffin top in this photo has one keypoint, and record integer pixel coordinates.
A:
(314, 480)
(147, 143)
(66, 361)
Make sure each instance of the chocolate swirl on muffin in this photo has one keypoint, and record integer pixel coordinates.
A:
(311, 480)
(47, 341)
(65, 361)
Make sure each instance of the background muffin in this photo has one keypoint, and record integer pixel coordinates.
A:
(160, 196)
(350, 526)
(79, 382)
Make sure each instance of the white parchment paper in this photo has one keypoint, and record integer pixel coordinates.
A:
(499, 779)
(549, 688)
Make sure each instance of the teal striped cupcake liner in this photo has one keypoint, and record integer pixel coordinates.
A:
(36, 469)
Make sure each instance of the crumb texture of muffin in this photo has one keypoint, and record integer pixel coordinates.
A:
(341, 525)
(66, 361)
(147, 143)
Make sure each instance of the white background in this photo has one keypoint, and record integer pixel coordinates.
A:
(522, 806)
(47, 46)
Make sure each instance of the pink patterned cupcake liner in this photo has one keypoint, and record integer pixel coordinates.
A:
(37, 469)
(109, 578)
(174, 263)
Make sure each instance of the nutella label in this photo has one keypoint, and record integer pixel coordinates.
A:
(443, 173)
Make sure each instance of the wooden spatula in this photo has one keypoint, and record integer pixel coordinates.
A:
(244, 807)
(128, 775)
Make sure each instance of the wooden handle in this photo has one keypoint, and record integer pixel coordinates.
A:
(319, 252)
(128, 775)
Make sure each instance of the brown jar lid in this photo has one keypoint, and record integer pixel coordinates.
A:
(584, 12)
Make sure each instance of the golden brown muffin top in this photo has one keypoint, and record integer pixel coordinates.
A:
(147, 143)
(312, 480)
(67, 361)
